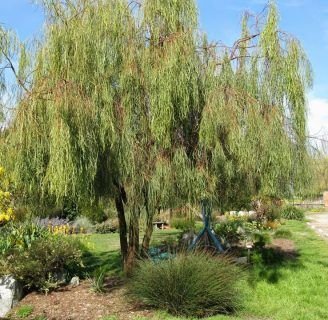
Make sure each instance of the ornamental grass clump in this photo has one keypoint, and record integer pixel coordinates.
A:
(292, 213)
(191, 284)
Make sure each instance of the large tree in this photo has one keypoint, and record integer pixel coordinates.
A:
(128, 100)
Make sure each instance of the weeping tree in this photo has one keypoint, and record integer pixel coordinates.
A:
(129, 101)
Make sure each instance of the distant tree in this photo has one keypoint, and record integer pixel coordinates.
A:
(127, 100)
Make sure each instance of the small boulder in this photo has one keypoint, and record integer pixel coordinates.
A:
(241, 260)
(11, 291)
(75, 281)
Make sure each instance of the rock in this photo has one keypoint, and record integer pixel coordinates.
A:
(241, 260)
(75, 281)
(11, 291)
(188, 238)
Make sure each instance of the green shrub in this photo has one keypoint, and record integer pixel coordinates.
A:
(231, 230)
(193, 284)
(292, 213)
(24, 311)
(183, 224)
(84, 224)
(70, 210)
(44, 264)
(261, 238)
(108, 226)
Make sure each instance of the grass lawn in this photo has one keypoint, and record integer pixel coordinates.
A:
(104, 248)
(286, 289)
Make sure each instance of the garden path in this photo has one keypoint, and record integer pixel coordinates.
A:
(319, 223)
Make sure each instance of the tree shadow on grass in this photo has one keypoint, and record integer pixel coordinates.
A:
(268, 264)
(110, 261)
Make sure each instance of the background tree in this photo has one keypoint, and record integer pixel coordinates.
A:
(128, 101)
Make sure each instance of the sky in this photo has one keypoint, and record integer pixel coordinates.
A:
(307, 20)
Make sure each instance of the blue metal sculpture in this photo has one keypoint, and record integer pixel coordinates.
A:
(207, 231)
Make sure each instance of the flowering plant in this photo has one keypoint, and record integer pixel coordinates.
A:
(6, 209)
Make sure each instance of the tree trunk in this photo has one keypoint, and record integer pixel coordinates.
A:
(149, 227)
(133, 247)
(147, 237)
(119, 202)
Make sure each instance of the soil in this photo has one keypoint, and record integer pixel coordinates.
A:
(82, 303)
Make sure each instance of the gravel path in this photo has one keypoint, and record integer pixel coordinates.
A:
(319, 223)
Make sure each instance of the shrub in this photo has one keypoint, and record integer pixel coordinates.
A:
(231, 230)
(271, 224)
(268, 208)
(109, 226)
(70, 210)
(261, 239)
(43, 265)
(292, 213)
(193, 284)
(183, 224)
(83, 224)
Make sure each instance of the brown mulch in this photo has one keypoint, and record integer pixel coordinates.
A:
(82, 303)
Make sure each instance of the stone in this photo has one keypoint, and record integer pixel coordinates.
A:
(242, 260)
(75, 281)
(11, 291)
(188, 238)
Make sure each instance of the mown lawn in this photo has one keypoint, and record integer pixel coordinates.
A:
(287, 289)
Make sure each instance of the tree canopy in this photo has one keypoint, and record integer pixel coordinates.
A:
(129, 100)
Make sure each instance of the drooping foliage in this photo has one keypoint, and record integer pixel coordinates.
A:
(129, 101)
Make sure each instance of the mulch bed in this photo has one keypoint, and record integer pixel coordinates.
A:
(82, 303)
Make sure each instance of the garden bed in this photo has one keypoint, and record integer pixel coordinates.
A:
(290, 284)
(82, 303)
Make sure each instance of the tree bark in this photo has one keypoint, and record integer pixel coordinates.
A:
(149, 227)
(133, 247)
(119, 202)
(147, 236)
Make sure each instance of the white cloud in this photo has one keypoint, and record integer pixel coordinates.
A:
(318, 116)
